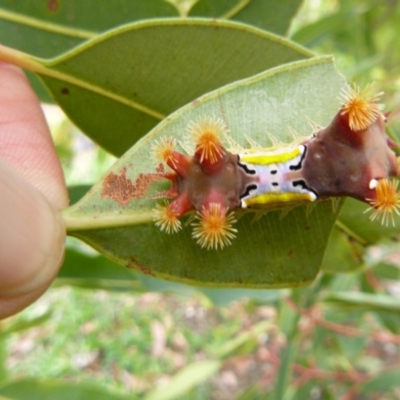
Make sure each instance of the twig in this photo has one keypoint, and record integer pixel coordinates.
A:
(383, 337)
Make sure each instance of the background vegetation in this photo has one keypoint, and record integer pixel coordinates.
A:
(107, 332)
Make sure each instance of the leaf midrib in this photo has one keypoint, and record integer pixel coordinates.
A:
(37, 66)
(43, 25)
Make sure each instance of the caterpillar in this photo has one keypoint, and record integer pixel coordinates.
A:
(352, 156)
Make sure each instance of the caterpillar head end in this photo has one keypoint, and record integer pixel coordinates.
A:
(208, 134)
(163, 151)
(213, 228)
(386, 202)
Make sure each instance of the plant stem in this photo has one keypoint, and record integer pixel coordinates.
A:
(75, 223)
(349, 232)
(20, 59)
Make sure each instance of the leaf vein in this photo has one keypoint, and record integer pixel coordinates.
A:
(45, 26)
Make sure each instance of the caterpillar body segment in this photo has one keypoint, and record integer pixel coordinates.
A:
(276, 178)
(352, 157)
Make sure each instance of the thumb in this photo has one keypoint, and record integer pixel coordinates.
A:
(32, 237)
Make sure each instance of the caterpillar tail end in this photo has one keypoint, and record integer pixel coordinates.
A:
(387, 201)
(360, 109)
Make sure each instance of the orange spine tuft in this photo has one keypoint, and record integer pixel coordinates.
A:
(163, 150)
(208, 134)
(213, 228)
(387, 201)
(166, 219)
(360, 108)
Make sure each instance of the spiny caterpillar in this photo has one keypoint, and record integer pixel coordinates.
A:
(352, 157)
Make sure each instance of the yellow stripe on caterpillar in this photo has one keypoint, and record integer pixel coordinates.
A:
(274, 199)
(268, 157)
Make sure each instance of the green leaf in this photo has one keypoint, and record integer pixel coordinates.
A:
(285, 369)
(49, 28)
(222, 297)
(231, 346)
(120, 85)
(219, 297)
(76, 192)
(303, 392)
(341, 282)
(186, 379)
(3, 361)
(382, 382)
(272, 15)
(357, 223)
(253, 393)
(351, 348)
(33, 389)
(387, 271)
(312, 34)
(341, 254)
(358, 301)
(40, 90)
(95, 272)
(386, 320)
(52, 27)
(153, 284)
(382, 258)
(271, 252)
(288, 318)
(22, 324)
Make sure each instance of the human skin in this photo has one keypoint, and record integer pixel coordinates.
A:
(32, 190)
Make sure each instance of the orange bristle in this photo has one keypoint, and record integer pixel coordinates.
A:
(208, 134)
(166, 219)
(360, 108)
(387, 201)
(214, 229)
(163, 149)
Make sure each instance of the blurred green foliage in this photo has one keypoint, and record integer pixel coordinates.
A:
(337, 339)
(363, 36)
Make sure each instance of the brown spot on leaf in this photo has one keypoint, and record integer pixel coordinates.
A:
(53, 5)
(133, 264)
(160, 169)
(290, 253)
(65, 90)
(121, 189)
(144, 270)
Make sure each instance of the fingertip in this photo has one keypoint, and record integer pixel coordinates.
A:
(25, 140)
(31, 242)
